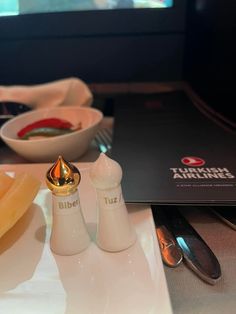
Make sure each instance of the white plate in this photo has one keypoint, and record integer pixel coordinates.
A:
(35, 281)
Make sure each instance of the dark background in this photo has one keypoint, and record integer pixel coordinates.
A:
(209, 59)
(192, 41)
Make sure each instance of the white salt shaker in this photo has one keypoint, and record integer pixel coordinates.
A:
(69, 234)
(114, 230)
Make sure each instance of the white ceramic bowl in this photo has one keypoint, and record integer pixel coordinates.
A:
(70, 146)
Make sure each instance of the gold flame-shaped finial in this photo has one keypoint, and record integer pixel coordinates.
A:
(63, 177)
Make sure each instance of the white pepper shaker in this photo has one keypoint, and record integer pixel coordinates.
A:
(69, 234)
(114, 230)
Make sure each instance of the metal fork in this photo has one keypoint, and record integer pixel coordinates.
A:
(103, 140)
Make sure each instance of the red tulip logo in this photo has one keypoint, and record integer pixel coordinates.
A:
(193, 161)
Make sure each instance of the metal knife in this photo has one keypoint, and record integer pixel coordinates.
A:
(226, 214)
(197, 254)
(170, 251)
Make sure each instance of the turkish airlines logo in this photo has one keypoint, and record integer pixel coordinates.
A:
(193, 161)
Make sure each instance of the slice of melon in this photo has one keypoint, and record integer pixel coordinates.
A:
(17, 200)
(5, 183)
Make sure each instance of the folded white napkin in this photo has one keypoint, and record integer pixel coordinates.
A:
(66, 92)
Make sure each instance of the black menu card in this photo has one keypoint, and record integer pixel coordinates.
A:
(171, 153)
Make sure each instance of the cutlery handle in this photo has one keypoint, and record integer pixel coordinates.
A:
(197, 254)
(170, 251)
